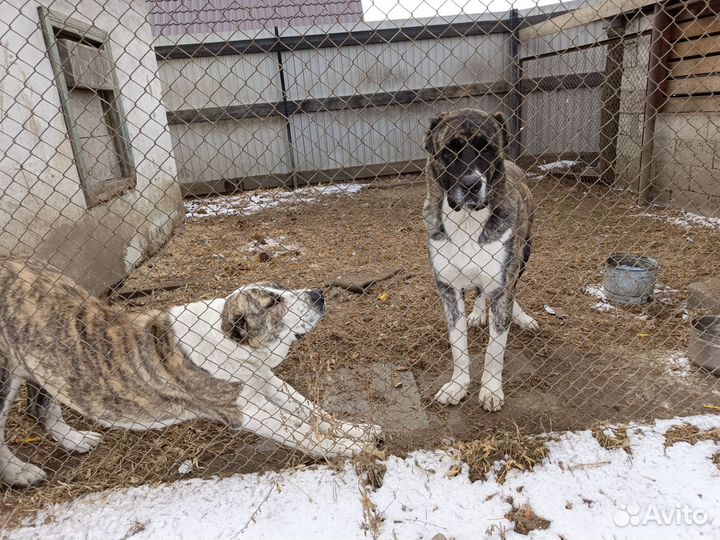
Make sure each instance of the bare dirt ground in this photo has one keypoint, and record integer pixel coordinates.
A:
(595, 366)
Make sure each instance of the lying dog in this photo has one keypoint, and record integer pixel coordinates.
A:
(478, 211)
(210, 359)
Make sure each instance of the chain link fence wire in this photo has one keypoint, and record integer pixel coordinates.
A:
(157, 157)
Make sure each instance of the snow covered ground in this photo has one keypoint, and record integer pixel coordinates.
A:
(582, 489)
(663, 294)
(679, 364)
(555, 165)
(251, 202)
(599, 292)
(686, 220)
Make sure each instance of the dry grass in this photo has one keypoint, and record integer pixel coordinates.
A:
(590, 367)
(370, 469)
(372, 518)
(526, 520)
(371, 472)
(510, 449)
(612, 437)
(690, 434)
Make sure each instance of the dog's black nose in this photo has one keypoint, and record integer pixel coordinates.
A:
(474, 205)
(317, 300)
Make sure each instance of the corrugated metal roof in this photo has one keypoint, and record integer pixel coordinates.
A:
(173, 17)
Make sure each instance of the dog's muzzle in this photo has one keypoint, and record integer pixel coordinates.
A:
(317, 300)
(473, 206)
(470, 199)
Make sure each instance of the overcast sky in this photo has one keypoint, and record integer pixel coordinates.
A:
(377, 10)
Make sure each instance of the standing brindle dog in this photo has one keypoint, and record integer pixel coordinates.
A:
(478, 211)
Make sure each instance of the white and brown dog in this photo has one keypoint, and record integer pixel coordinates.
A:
(210, 359)
(478, 211)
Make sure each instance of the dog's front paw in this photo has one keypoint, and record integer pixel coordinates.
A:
(451, 393)
(477, 318)
(21, 474)
(81, 441)
(526, 322)
(348, 448)
(366, 432)
(372, 431)
(74, 440)
(492, 397)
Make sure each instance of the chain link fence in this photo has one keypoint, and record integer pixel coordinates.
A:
(160, 157)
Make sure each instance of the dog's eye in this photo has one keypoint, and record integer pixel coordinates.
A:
(481, 145)
(455, 146)
(239, 329)
(274, 301)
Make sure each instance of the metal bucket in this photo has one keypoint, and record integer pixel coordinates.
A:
(704, 347)
(630, 279)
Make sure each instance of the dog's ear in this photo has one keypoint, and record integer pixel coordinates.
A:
(239, 330)
(500, 117)
(233, 322)
(271, 284)
(430, 133)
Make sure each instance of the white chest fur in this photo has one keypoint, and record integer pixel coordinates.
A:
(459, 259)
(197, 328)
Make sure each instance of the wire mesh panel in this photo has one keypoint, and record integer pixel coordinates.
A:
(241, 237)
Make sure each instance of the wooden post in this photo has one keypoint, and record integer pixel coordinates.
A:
(660, 47)
(513, 97)
(610, 113)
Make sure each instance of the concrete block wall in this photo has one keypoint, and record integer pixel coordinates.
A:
(686, 161)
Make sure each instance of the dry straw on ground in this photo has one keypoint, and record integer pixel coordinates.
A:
(526, 520)
(689, 434)
(501, 453)
(370, 469)
(612, 437)
(716, 459)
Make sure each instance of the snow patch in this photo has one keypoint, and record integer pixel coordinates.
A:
(678, 364)
(273, 247)
(663, 294)
(686, 220)
(250, 203)
(683, 310)
(302, 504)
(603, 306)
(598, 292)
(336, 189)
(563, 164)
(580, 486)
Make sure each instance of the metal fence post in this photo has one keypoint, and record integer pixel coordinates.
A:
(286, 112)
